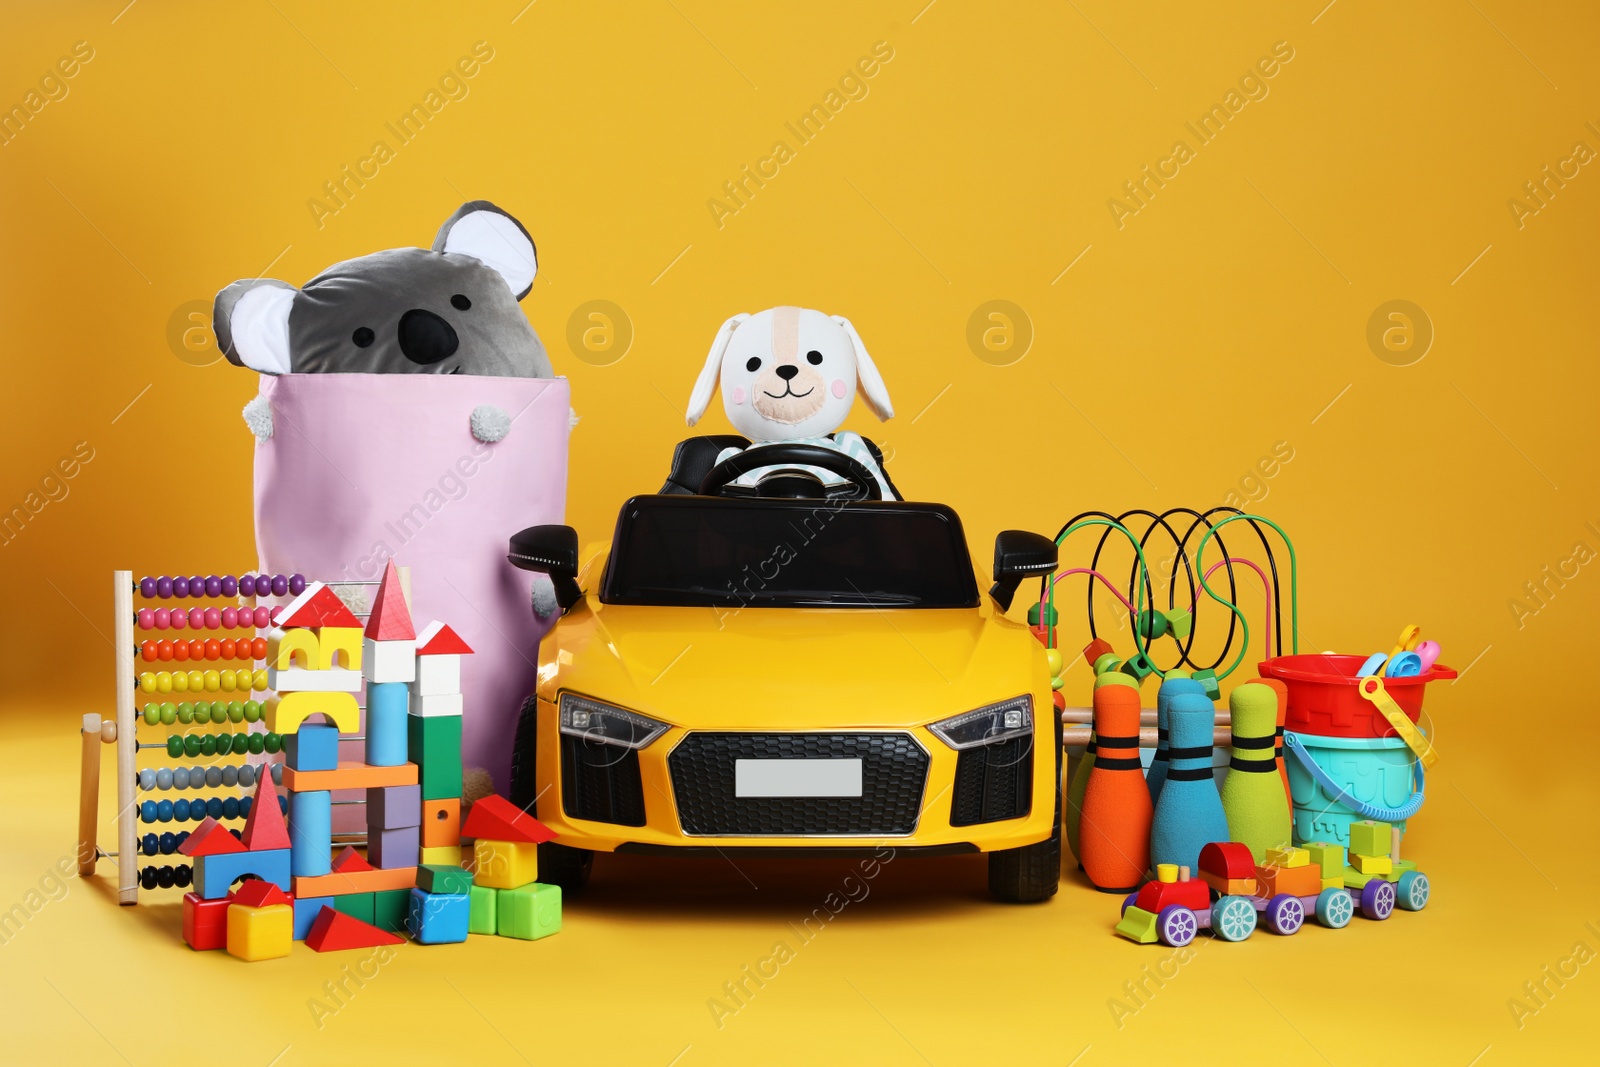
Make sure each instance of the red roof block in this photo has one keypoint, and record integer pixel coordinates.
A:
(350, 860)
(390, 619)
(333, 931)
(258, 893)
(1228, 859)
(264, 827)
(494, 818)
(210, 838)
(317, 606)
(437, 639)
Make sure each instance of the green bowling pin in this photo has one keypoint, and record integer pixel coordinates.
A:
(1252, 795)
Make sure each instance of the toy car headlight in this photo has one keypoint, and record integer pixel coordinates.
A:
(607, 724)
(987, 726)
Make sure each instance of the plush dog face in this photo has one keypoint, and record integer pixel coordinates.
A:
(449, 310)
(788, 373)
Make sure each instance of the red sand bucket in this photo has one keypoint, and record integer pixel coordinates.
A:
(1323, 698)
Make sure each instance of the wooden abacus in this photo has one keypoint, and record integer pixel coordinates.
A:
(163, 664)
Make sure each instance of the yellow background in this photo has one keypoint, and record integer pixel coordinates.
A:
(1227, 315)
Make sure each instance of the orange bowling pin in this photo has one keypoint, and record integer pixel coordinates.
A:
(1114, 830)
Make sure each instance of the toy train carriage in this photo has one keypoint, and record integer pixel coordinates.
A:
(1233, 891)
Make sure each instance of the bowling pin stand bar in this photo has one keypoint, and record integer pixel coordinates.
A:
(156, 659)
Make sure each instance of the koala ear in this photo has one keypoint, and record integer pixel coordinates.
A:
(873, 390)
(700, 399)
(484, 232)
(251, 321)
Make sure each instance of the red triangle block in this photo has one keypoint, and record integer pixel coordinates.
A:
(258, 893)
(495, 818)
(264, 827)
(390, 619)
(334, 931)
(210, 838)
(350, 860)
(317, 606)
(437, 639)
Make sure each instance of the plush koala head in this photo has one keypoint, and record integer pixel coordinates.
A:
(788, 373)
(451, 309)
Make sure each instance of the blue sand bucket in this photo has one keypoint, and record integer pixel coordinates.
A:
(1335, 781)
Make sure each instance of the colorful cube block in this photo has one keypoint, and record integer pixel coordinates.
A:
(1328, 856)
(439, 918)
(437, 675)
(1369, 838)
(394, 806)
(529, 912)
(388, 661)
(444, 855)
(313, 747)
(441, 879)
(400, 847)
(205, 922)
(441, 822)
(1287, 857)
(483, 919)
(389, 909)
(358, 905)
(214, 874)
(305, 913)
(435, 747)
(504, 864)
(260, 933)
(1376, 865)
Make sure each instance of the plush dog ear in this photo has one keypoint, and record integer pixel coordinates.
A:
(873, 390)
(484, 232)
(706, 386)
(251, 321)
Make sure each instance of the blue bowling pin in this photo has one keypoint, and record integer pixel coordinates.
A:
(1188, 816)
(1170, 688)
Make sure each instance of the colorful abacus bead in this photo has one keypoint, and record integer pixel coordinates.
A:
(280, 585)
(213, 585)
(247, 585)
(230, 585)
(213, 617)
(161, 617)
(178, 618)
(147, 588)
(163, 587)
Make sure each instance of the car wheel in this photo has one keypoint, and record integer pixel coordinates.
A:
(559, 864)
(1031, 873)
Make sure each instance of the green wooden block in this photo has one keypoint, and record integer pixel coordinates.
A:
(389, 909)
(1369, 838)
(483, 919)
(435, 747)
(1329, 858)
(1208, 679)
(1138, 667)
(1033, 614)
(530, 912)
(438, 878)
(359, 905)
(1179, 623)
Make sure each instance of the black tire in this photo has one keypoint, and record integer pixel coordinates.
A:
(560, 865)
(1031, 873)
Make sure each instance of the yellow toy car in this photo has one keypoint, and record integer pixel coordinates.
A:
(795, 672)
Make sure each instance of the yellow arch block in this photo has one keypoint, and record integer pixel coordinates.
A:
(293, 648)
(286, 711)
(341, 648)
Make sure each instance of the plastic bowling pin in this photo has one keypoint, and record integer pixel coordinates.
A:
(1080, 775)
(1278, 686)
(1115, 831)
(1252, 795)
(1188, 815)
(1170, 687)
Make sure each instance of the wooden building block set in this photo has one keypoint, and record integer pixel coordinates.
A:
(286, 876)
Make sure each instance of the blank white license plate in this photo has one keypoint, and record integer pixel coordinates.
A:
(797, 778)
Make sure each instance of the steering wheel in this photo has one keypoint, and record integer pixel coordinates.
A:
(862, 483)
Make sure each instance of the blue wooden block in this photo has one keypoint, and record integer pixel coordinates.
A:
(306, 910)
(439, 918)
(213, 875)
(391, 807)
(387, 704)
(311, 832)
(314, 747)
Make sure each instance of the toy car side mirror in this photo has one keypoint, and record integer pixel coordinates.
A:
(1020, 554)
(551, 550)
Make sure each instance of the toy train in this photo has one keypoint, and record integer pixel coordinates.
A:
(1233, 892)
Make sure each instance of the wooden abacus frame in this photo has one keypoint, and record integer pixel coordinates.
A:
(123, 731)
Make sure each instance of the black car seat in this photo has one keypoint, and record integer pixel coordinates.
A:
(694, 457)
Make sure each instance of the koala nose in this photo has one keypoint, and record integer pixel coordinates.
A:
(788, 371)
(425, 337)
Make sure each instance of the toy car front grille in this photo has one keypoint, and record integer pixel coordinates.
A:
(993, 782)
(894, 772)
(601, 782)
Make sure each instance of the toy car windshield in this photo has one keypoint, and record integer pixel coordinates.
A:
(718, 552)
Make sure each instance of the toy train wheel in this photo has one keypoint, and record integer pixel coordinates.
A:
(1285, 914)
(1335, 907)
(1233, 918)
(1377, 899)
(1413, 891)
(1176, 925)
(1129, 900)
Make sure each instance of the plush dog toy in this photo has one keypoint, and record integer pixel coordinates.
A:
(790, 375)
(451, 309)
